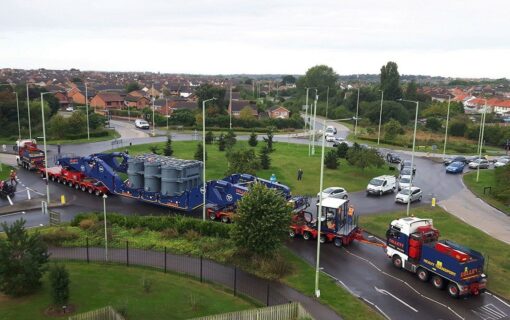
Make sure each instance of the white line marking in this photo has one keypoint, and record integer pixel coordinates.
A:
(396, 298)
(10, 201)
(499, 299)
(377, 307)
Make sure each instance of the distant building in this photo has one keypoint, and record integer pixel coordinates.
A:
(238, 105)
(136, 101)
(278, 112)
(109, 100)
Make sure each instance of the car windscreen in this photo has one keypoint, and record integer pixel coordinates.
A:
(328, 190)
(376, 182)
(405, 192)
(405, 180)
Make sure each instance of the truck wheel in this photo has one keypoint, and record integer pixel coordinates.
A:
(212, 216)
(225, 219)
(42, 175)
(77, 186)
(90, 191)
(70, 183)
(83, 188)
(323, 239)
(423, 275)
(453, 290)
(338, 242)
(292, 233)
(438, 282)
(98, 193)
(307, 235)
(397, 261)
(52, 178)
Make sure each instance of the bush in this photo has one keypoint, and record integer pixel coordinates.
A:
(169, 233)
(274, 267)
(192, 235)
(57, 237)
(86, 224)
(341, 150)
(59, 279)
(331, 159)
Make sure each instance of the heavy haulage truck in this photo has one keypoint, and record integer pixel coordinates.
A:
(29, 155)
(413, 244)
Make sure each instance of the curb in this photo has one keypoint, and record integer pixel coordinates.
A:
(28, 206)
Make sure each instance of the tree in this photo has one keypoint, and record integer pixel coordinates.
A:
(269, 139)
(390, 81)
(262, 221)
(433, 124)
(391, 129)
(320, 77)
(132, 86)
(246, 113)
(391, 109)
(412, 91)
(209, 91)
(221, 142)
(440, 109)
(458, 128)
(242, 161)
(168, 151)
(265, 159)
(289, 79)
(199, 153)
(331, 159)
(182, 117)
(154, 149)
(364, 157)
(59, 280)
(209, 137)
(341, 150)
(230, 139)
(253, 139)
(23, 259)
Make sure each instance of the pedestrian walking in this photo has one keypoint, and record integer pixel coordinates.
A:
(12, 176)
(300, 174)
(59, 147)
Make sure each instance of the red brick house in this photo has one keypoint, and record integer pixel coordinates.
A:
(76, 96)
(110, 100)
(278, 112)
(136, 101)
(62, 99)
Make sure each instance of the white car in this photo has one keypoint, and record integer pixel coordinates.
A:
(479, 163)
(413, 194)
(333, 192)
(70, 109)
(382, 184)
(331, 129)
(142, 124)
(330, 138)
(501, 162)
(404, 182)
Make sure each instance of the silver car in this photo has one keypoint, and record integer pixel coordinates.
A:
(479, 163)
(412, 194)
(334, 192)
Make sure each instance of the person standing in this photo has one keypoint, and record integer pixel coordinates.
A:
(59, 147)
(13, 177)
(350, 214)
(300, 174)
(273, 178)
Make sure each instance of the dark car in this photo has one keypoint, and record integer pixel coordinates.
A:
(407, 164)
(393, 158)
(455, 167)
(456, 159)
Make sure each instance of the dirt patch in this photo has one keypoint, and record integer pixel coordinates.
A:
(59, 312)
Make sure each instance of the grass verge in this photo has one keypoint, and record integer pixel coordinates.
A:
(285, 161)
(454, 229)
(487, 179)
(4, 173)
(94, 286)
(112, 134)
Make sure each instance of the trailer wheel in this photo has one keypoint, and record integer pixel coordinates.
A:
(97, 192)
(423, 274)
(212, 216)
(225, 219)
(338, 242)
(42, 175)
(90, 190)
(323, 238)
(397, 261)
(292, 233)
(70, 183)
(453, 290)
(307, 235)
(77, 186)
(52, 178)
(83, 188)
(438, 282)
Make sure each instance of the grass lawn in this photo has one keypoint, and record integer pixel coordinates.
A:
(487, 179)
(4, 174)
(112, 134)
(94, 286)
(454, 229)
(285, 161)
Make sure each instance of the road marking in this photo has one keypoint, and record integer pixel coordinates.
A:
(489, 312)
(498, 298)
(395, 297)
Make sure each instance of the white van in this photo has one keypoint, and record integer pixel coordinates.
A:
(382, 184)
(142, 124)
(330, 130)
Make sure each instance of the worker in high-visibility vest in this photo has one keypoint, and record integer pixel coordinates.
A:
(12, 176)
(350, 214)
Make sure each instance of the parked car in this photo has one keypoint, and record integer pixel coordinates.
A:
(330, 138)
(501, 162)
(334, 192)
(406, 172)
(331, 129)
(382, 184)
(70, 109)
(393, 158)
(479, 163)
(407, 164)
(404, 182)
(409, 194)
(447, 161)
(141, 124)
(473, 158)
(455, 167)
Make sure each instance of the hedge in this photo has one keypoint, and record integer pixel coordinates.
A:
(160, 223)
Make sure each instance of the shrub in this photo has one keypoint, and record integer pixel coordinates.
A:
(57, 237)
(138, 230)
(341, 150)
(331, 159)
(86, 224)
(274, 267)
(169, 233)
(59, 279)
(192, 235)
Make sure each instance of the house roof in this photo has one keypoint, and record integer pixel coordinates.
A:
(110, 96)
(184, 104)
(132, 98)
(238, 105)
(274, 108)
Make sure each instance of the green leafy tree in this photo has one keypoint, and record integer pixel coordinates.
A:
(412, 91)
(331, 159)
(364, 157)
(221, 142)
(242, 161)
(132, 86)
(433, 124)
(209, 137)
(391, 110)
(289, 79)
(230, 139)
(390, 81)
(168, 150)
(23, 259)
(440, 109)
(59, 281)
(209, 91)
(262, 221)
(154, 149)
(199, 153)
(391, 129)
(265, 159)
(321, 77)
(246, 113)
(341, 150)
(458, 128)
(269, 139)
(253, 139)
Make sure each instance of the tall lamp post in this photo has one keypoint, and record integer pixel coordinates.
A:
(380, 117)
(481, 140)
(412, 154)
(446, 129)
(45, 147)
(28, 107)
(203, 154)
(87, 110)
(105, 231)
(357, 112)
(314, 120)
(17, 107)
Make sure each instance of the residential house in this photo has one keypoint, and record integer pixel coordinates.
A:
(278, 112)
(238, 105)
(76, 96)
(62, 99)
(137, 93)
(110, 100)
(136, 101)
(181, 104)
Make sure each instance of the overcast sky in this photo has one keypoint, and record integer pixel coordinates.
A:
(459, 38)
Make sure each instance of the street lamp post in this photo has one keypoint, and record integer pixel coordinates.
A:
(357, 111)
(327, 102)
(314, 120)
(17, 107)
(167, 113)
(319, 216)
(230, 107)
(45, 147)
(481, 140)
(28, 107)
(446, 129)
(153, 116)
(105, 231)
(306, 119)
(203, 154)
(412, 154)
(380, 117)
(87, 110)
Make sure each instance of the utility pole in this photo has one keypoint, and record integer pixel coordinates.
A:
(87, 110)
(153, 113)
(327, 104)
(306, 120)
(319, 216)
(230, 106)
